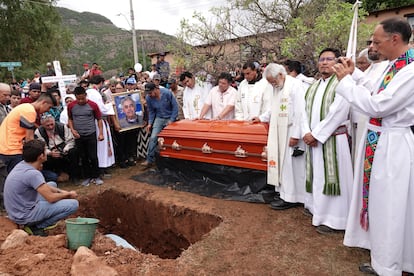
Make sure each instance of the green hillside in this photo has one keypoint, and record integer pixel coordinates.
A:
(97, 39)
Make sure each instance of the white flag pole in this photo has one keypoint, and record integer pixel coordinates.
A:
(352, 42)
(351, 53)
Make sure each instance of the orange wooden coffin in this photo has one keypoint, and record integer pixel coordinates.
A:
(231, 143)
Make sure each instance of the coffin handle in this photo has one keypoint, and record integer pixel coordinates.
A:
(240, 152)
(161, 143)
(175, 145)
(264, 154)
(206, 149)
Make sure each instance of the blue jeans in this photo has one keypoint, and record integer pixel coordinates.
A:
(159, 124)
(46, 214)
(11, 160)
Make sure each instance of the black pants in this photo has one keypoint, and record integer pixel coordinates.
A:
(127, 144)
(87, 148)
(68, 163)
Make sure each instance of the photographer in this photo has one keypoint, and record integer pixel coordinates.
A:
(62, 156)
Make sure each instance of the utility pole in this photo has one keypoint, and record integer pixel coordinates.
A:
(143, 53)
(134, 35)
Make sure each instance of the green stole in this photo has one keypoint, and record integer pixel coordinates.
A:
(331, 186)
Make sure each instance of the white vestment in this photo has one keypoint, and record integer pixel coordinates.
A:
(329, 210)
(373, 73)
(193, 100)
(252, 99)
(390, 235)
(306, 81)
(285, 117)
(105, 150)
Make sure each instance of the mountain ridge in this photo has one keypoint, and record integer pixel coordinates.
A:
(97, 39)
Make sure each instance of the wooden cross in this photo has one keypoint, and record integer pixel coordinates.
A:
(59, 78)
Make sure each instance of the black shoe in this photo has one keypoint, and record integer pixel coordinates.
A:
(326, 230)
(277, 197)
(282, 205)
(131, 163)
(32, 230)
(123, 165)
(367, 269)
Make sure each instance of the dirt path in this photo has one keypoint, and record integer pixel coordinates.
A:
(219, 237)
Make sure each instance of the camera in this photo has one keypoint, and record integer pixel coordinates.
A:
(338, 60)
(297, 151)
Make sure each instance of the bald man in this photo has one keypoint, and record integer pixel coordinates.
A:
(5, 92)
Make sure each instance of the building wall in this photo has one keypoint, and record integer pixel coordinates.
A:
(404, 12)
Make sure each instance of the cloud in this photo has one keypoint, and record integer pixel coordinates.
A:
(164, 16)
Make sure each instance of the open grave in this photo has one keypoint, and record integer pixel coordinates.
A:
(150, 226)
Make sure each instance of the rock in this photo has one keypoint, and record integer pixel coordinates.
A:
(85, 262)
(28, 261)
(58, 240)
(16, 238)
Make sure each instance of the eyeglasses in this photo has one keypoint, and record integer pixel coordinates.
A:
(327, 59)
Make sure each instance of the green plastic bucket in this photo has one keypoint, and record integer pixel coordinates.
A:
(80, 231)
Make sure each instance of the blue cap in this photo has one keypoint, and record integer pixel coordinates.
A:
(131, 81)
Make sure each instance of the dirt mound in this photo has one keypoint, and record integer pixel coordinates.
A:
(178, 233)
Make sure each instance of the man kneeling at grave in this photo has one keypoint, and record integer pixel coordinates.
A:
(29, 200)
(62, 154)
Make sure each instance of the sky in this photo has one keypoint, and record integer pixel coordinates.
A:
(161, 15)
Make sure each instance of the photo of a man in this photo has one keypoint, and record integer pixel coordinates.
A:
(129, 111)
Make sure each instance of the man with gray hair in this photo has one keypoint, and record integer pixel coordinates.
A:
(285, 159)
(5, 92)
(362, 61)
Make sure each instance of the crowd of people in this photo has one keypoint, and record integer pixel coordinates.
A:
(324, 133)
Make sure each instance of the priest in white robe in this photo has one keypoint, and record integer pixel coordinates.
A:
(373, 73)
(329, 165)
(254, 94)
(286, 164)
(194, 96)
(381, 217)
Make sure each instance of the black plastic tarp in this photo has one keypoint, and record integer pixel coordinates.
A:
(212, 180)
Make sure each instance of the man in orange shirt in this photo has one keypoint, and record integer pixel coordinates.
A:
(19, 126)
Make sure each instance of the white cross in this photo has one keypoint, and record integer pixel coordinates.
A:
(59, 78)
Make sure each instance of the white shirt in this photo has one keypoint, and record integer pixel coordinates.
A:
(219, 101)
(253, 99)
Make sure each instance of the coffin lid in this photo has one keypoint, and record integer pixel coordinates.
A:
(231, 127)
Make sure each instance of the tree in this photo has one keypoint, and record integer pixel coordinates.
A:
(314, 30)
(31, 32)
(245, 20)
(267, 30)
(375, 5)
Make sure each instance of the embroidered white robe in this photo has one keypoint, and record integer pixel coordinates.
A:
(329, 210)
(285, 172)
(252, 99)
(391, 195)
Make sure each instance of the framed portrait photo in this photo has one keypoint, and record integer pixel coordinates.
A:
(129, 111)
